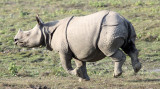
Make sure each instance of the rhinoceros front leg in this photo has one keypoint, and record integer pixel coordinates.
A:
(81, 70)
(66, 62)
(119, 58)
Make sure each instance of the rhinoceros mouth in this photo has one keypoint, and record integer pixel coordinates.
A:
(22, 44)
(17, 42)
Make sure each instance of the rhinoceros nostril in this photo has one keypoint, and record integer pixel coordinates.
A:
(15, 39)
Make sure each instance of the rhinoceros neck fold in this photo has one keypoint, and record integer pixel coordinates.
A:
(47, 37)
(49, 29)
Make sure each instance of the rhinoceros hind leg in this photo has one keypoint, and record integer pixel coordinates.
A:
(131, 50)
(111, 48)
(81, 71)
(119, 58)
(135, 61)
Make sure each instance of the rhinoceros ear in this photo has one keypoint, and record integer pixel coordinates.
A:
(20, 30)
(39, 20)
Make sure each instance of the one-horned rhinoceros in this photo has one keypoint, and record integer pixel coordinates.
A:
(86, 39)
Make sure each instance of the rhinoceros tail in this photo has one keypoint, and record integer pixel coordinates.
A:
(129, 44)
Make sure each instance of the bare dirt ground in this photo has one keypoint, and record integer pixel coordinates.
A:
(52, 82)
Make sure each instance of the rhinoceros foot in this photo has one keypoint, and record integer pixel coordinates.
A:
(117, 75)
(137, 67)
(82, 76)
(82, 80)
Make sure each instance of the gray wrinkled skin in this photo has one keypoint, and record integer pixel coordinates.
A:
(85, 39)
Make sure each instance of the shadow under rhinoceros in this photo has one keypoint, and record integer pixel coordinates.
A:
(145, 80)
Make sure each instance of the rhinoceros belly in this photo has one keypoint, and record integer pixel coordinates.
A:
(93, 56)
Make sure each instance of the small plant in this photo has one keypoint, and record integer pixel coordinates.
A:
(139, 35)
(22, 13)
(59, 12)
(75, 11)
(115, 2)
(158, 38)
(59, 71)
(13, 69)
(97, 4)
(138, 3)
(73, 2)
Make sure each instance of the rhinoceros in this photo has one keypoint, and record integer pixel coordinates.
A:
(85, 39)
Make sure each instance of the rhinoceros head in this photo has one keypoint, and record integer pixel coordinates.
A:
(30, 38)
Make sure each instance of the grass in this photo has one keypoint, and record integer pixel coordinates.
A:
(31, 68)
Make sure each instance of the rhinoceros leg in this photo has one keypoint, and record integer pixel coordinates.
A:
(111, 48)
(131, 50)
(66, 62)
(81, 70)
(119, 58)
(135, 61)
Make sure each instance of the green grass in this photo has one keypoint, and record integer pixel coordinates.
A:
(23, 67)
